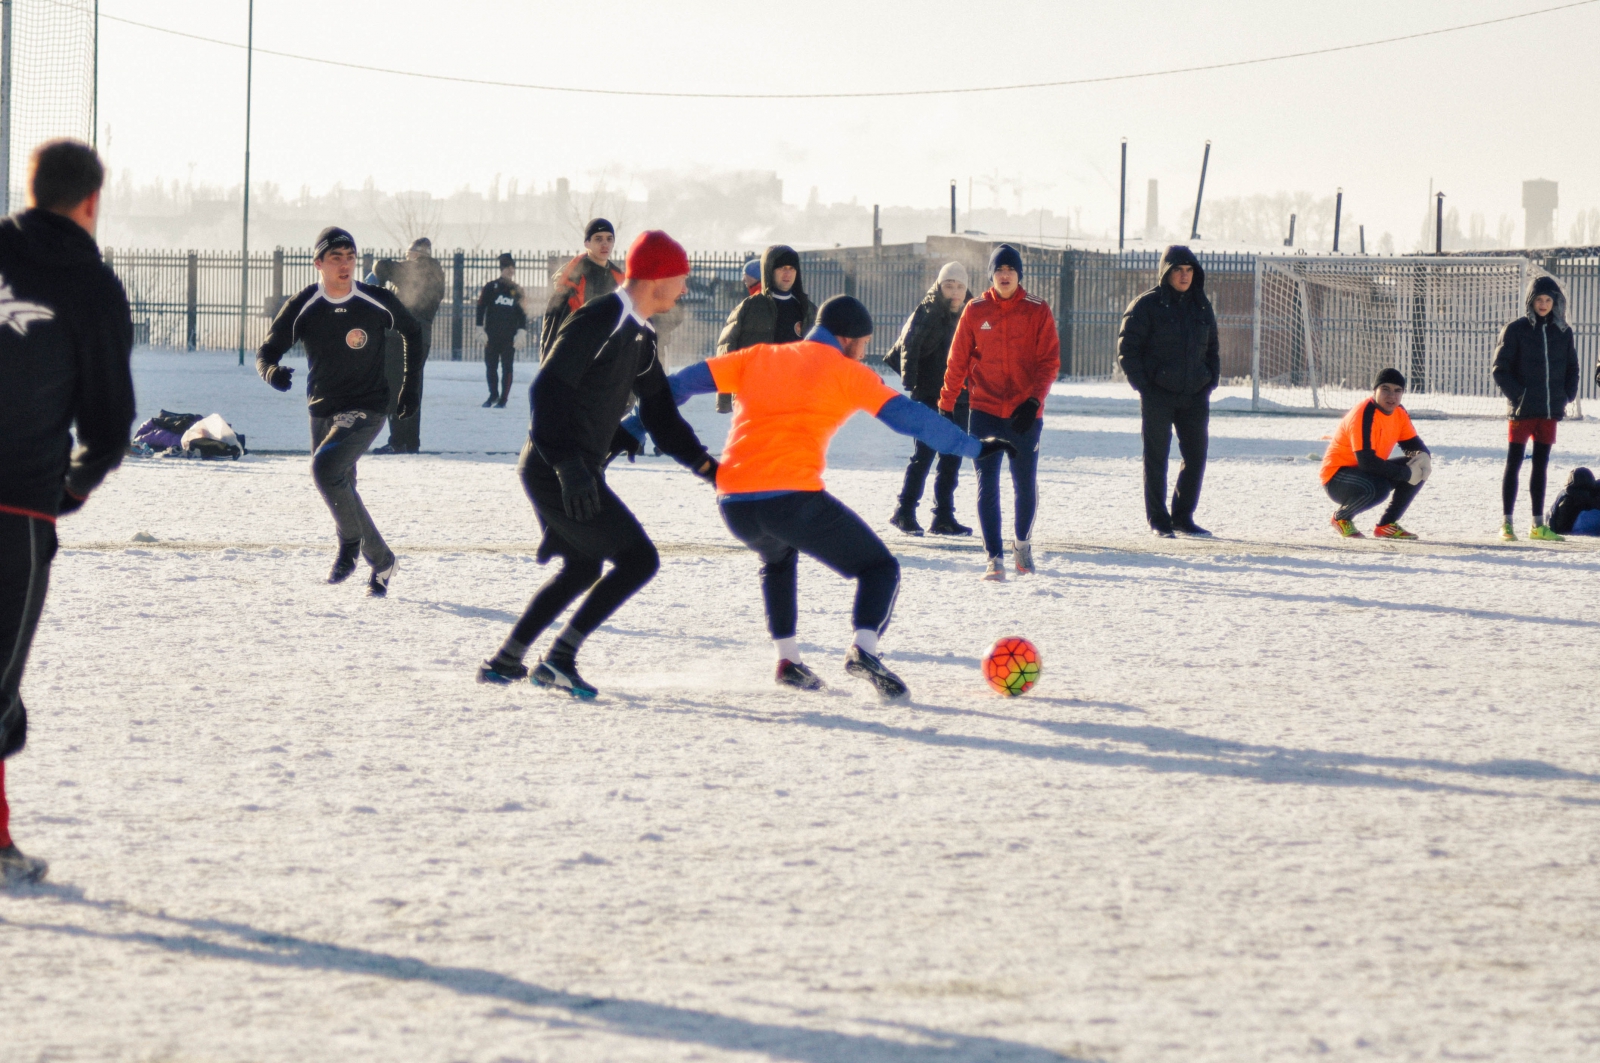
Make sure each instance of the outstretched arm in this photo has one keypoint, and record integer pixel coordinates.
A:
(916, 420)
(685, 384)
(658, 410)
(279, 339)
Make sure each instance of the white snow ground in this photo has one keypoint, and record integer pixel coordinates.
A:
(1277, 795)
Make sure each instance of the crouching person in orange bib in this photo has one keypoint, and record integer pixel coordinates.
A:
(789, 400)
(1357, 471)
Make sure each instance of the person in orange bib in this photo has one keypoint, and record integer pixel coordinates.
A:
(789, 400)
(1357, 471)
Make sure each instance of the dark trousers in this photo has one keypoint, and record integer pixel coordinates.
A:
(1536, 478)
(944, 484)
(406, 435)
(1160, 413)
(1024, 478)
(498, 354)
(27, 546)
(337, 443)
(818, 525)
(614, 535)
(1357, 491)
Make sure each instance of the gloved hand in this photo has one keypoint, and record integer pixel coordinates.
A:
(623, 442)
(1024, 415)
(406, 408)
(70, 503)
(580, 491)
(993, 445)
(1421, 463)
(949, 415)
(707, 470)
(280, 377)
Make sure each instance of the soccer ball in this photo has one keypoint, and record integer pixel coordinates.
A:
(1012, 666)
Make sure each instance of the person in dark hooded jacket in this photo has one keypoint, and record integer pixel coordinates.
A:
(1168, 350)
(920, 356)
(63, 372)
(780, 312)
(1536, 367)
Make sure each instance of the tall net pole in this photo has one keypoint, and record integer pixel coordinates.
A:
(244, 239)
(5, 106)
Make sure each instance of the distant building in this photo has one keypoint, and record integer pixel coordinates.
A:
(1539, 202)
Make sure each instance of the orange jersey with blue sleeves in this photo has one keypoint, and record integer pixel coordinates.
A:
(790, 400)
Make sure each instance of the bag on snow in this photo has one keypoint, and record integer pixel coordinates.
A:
(1576, 505)
(212, 437)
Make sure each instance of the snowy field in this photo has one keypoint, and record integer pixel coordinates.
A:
(1277, 796)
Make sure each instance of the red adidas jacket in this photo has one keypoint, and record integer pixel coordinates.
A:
(1005, 351)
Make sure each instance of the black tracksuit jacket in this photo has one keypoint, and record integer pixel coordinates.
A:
(602, 357)
(65, 337)
(500, 311)
(344, 346)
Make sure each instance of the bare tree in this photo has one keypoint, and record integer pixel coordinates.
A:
(408, 215)
(603, 200)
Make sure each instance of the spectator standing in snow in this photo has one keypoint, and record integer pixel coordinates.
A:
(1357, 471)
(1168, 350)
(1536, 368)
(603, 355)
(501, 316)
(1007, 352)
(418, 280)
(344, 325)
(780, 312)
(919, 356)
(581, 281)
(63, 366)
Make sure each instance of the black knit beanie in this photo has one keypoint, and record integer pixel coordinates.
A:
(1389, 376)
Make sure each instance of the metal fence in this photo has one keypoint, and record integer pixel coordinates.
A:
(190, 300)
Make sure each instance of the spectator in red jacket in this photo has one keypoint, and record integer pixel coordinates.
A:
(1007, 353)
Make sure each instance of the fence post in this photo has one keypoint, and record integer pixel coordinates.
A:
(193, 330)
(1255, 341)
(1067, 310)
(456, 306)
(277, 281)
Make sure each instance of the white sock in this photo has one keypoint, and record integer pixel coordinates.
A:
(867, 639)
(788, 649)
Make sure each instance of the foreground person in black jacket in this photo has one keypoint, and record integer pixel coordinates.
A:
(602, 356)
(919, 356)
(343, 325)
(1536, 367)
(65, 334)
(1168, 350)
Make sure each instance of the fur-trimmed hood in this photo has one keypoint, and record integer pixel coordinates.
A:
(1548, 285)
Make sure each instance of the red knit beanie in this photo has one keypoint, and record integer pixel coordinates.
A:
(655, 256)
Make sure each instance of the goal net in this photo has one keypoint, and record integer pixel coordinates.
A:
(47, 73)
(1325, 326)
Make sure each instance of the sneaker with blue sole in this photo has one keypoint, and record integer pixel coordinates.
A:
(501, 674)
(563, 677)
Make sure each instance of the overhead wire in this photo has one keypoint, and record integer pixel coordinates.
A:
(884, 94)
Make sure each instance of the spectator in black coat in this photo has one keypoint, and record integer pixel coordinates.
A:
(1536, 368)
(1169, 352)
(501, 315)
(65, 336)
(919, 356)
(419, 282)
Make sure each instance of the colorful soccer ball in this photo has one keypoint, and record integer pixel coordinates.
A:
(1012, 666)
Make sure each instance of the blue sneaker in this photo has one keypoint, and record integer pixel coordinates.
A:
(563, 677)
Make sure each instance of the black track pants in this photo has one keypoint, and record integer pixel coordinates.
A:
(499, 352)
(1537, 478)
(818, 525)
(1160, 414)
(1356, 492)
(27, 546)
(614, 535)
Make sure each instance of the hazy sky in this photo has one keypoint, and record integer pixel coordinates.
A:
(1477, 111)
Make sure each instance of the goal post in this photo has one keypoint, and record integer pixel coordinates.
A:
(1325, 326)
(47, 82)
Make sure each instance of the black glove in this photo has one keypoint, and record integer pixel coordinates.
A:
(406, 408)
(580, 492)
(949, 415)
(280, 377)
(993, 445)
(70, 503)
(707, 470)
(623, 442)
(1024, 415)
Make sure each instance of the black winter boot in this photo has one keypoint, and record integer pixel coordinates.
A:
(905, 518)
(945, 523)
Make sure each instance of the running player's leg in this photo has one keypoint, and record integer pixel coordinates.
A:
(982, 425)
(780, 573)
(1025, 488)
(27, 546)
(333, 467)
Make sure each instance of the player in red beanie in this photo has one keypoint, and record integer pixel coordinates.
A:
(603, 355)
(655, 256)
